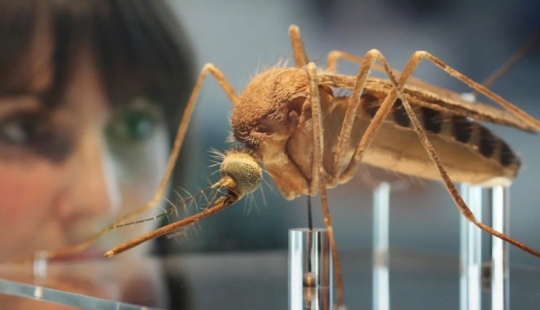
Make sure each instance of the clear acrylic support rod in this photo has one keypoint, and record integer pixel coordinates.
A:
(500, 204)
(381, 214)
(310, 270)
(471, 251)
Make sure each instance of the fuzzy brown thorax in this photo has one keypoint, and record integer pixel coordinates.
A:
(269, 105)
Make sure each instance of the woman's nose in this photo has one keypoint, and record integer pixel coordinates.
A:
(93, 191)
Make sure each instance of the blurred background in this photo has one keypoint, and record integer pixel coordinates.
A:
(473, 36)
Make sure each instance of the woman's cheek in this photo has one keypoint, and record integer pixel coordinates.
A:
(25, 204)
(24, 194)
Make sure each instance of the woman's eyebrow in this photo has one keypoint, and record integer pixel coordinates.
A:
(19, 100)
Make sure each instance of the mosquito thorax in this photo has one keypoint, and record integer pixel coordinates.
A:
(243, 169)
(261, 109)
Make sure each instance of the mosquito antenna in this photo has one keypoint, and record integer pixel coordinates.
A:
(505, 67)
(164, 213)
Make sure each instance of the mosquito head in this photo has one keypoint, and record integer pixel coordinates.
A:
(243, 167)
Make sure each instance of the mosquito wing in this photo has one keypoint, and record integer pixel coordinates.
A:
(434, 98)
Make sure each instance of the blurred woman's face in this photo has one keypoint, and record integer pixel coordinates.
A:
(67, 174)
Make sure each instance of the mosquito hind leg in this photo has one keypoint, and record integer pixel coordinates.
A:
(418, 56)
(462, 206)
(318, 176)
(374, 125)
(467, 213)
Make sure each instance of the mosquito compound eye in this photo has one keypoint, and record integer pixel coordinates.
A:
(262, 128)
(244, 170)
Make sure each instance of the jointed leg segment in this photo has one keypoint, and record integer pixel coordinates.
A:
(421, 55)
(300, 56)
(334, 56)
(318, 176)
(385, 108)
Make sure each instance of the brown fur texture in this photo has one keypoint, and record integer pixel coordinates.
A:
(263, 98)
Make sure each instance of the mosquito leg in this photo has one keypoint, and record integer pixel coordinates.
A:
(366, 64)
(451, 187)
(335, 56)
(182, 129)
(229, 91)
(348, 122)
(407, 72)
(300, 60)
(318, 175)
(409, 68)
(505, 67)
(299, 52)
(421, 55)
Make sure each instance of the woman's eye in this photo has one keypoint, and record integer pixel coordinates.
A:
(21, 130)
(133, 126)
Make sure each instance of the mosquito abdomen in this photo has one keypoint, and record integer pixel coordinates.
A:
(471, 152)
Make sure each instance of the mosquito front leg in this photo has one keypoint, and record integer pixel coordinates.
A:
(318, 175)
(182, 129)
(452, 189)
(229, 91)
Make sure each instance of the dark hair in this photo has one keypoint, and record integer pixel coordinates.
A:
(139, 47)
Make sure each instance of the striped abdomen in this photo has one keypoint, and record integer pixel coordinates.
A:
(470, 152)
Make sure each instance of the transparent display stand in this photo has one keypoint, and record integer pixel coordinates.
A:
(471, 252)
(381, 254)
(280, 279)
(88, 284)
(472, 269)
(310, 270)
